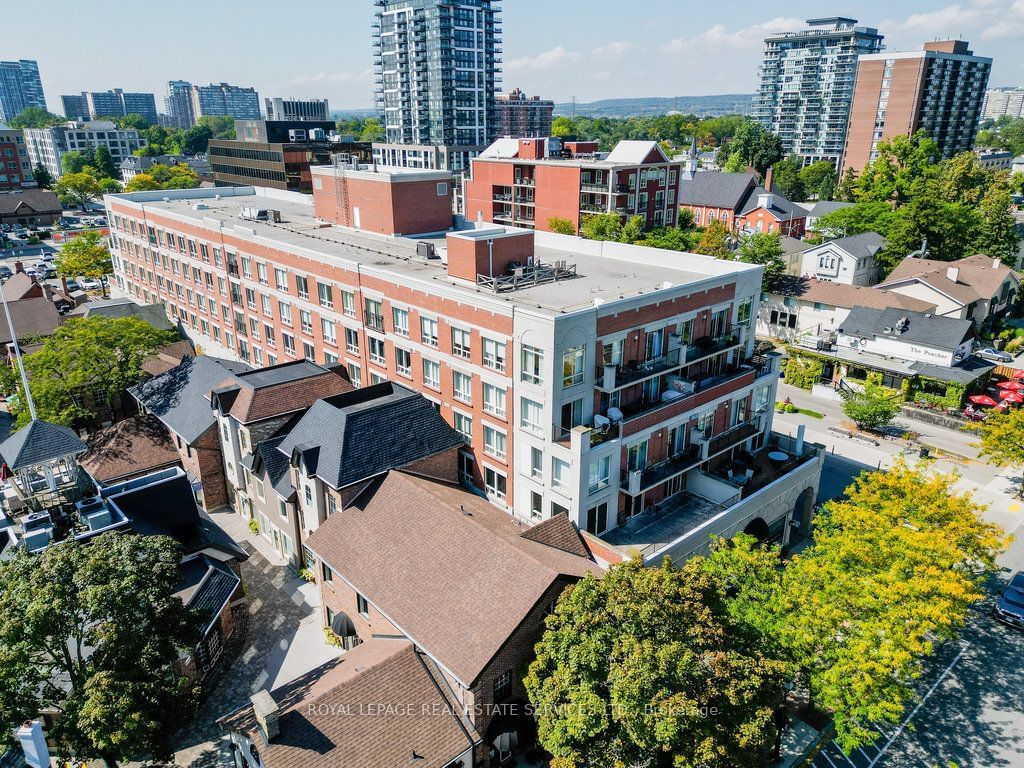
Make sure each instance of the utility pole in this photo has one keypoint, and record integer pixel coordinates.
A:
(17, 355)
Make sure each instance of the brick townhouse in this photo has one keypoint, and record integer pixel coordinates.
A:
(468, 592)
(740, 203)
(597, 379)
(527, 182)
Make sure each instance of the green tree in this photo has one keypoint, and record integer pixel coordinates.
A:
(561, 226)
(562, 126)
(177, 176)
(36, 117)
(223, 126)
(73, 162)
(757, 146)
(77, 189)
(765, 248)
(109, 186)
(670, 238)
(786, 176)
(645, 666)
(872, 409)
(86, 256)
(685, 219)
(96, 631)
(373, 130)
(715, 241)
(134, 120)
(819, 180)
(42, 176)
(105, 167)
(997, 231)
(82, 370)
(602, 226)
(964, 179)
(734, 163)
(194, 140)
(142, 182)
(633, 229)
(847, 190)
(902, 161)
(1001, 439)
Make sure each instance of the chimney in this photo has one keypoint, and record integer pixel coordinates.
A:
(19, 267)
(266, 711)
(953, 274)
(996, 264)
(768, 179)
(64, 285)
(33, 744)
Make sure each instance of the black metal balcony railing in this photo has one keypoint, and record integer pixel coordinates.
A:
(710, 345)
(629, 372)
(644, 405)
(732, 436)
(688, 458)
(374, 321)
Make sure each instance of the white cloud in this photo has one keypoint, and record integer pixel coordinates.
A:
(556, 57)
(332, 77)
(613, 51)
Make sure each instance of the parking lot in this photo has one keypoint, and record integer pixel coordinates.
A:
(17, 244)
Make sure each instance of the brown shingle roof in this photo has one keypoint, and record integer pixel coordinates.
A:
(558, 532)
(977, 278)
(167, 357)
(29, 201)
(21, 285)
(130, 447)
(407, 536)
(255, 404)
(337, 715)
(849, 296)
(31, 317)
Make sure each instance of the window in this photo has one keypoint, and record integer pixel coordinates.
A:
(308, 351)
(465, 468)
(494, 442)
(464, 426)
(503, 682)
(559, 473)
(463, 384)
(247, 267)
(374, 318)
(354, 374)
(328, 574)
(442, 188)
(532, 361)
(597, 518)
(305, 321)
(598, 478)
(268, 307)
(302, 287)
(536, 505)
(261, 273)
(494, 482)
(348, 303)
(326, 295)
(705, 422)
(362, 606)
(428, 331)
(531, 415)
(285, 311)
(537, 463)
(432, 374)
(352, 340)
(403, 361)
(282, 508)
(494, 354)
(743, 311)
(494, 400)
(461, 343)
(400, 318)
(572, 366)
(377, 351)
(330, 330)
(268, 334)
(289, 343)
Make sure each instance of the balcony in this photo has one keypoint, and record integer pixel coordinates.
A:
(644, 406)
(637, 481)
(732, 437)
(611, 377)
(600, 188)
(374, 321)
(524, 181)
(709, 346)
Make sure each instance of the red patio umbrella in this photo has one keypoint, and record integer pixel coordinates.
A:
(982, 400)
(1011, 397)
(1014, 386)
(1019, 373)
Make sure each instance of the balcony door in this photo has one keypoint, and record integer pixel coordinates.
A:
(718, 324)
(739, 411)
(572, 414)
(637, 456)
(655, 344)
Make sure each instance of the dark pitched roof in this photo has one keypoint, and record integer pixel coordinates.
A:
(848, 296)
(825, 207)
(21, 284)
(439, 533)
(180, 398)
(38, 442)
(29, 201)
(396, 714)
(31, 317)
(269, 459)
(206, 585)
(558, 532)
(154, 314)
(717, 189)
(268, 392)
(858, 246)
(368, 431)
(779, 207)
(168, 356)
(931, 330)
(130, 447)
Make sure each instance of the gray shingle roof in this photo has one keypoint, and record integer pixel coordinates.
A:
(206, 585)
(780, 207)
(858, 246)
(180, 398)
(39, 442)
(366, 432)
(276, 465)
(717, 189)
(931, 330)
(154, 314)
(825, 207)
(29, 200)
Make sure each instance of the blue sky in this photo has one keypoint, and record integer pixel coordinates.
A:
(555, 48)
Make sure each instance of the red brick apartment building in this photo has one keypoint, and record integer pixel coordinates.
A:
(15, 167)
(522, 115)
(600, 380)
(527, 182)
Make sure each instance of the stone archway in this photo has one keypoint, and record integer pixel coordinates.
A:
(757, 528)
(803, 511)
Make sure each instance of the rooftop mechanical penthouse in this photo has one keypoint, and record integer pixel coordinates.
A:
(614, 383)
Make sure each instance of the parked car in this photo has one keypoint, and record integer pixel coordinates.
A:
(1009, 607)
(90, 284)
(73, 286)
(5, 272)
(988, 353)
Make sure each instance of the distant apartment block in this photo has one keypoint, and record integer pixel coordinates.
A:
(595, 380)
(1003, 101)
(97, 105)
(47, 146)
(20, 88)
(527, 182)
(15, 167)
(524, 116)
(297, 109)
(178, 104)
(938, 90)
(807, 83)
(279, 154)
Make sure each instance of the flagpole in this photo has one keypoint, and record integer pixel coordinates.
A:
(17, 355)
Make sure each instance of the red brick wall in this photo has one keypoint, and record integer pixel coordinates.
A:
(204, 460)
(662, 310)
(468, 258)
(402, 207)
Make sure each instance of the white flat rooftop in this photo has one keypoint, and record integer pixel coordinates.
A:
(607, 272)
